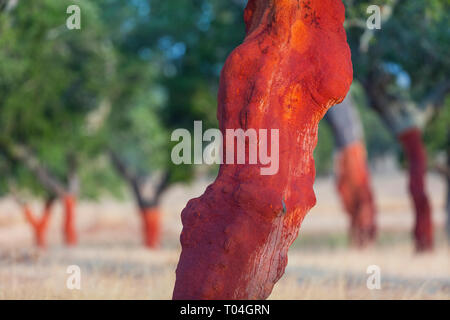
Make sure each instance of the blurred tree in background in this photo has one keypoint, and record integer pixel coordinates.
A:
(52, 80)
(406, 61)
(95, 107)
(169, 56)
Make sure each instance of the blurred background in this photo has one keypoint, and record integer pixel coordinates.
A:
(85, 122)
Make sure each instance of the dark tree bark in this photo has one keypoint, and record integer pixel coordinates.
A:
(414, 149)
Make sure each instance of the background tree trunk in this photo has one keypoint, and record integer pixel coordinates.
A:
(151, 225)
(148, 206)
(353, 182)
(39, 224)
(352, 172)
(70, 234)
(414, 149)
(448, 194)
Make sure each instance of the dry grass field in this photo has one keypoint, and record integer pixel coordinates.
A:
(321, 266)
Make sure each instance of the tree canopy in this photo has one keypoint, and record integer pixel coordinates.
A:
(139, 69)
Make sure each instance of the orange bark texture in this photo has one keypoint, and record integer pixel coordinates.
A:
(293, 65)
(353, 183)
(39, 225)
(70, 234)
(151, 222)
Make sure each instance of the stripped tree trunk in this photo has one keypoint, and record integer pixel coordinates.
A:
(353, 181)
(51, 183)
(447, 176)
(148, 206)
(69, 228)
(352, 173)
(414, 149)
(447, 228)
(39, 224)
(293, 65)
(151, 224)
(404, 123)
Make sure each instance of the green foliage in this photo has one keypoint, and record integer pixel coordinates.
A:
(139, 69)
(412, 48)
(323, 153)
(169, 58)
(133, 128)
(413, 44)
(378, 139)
(52, 79)
(437, 133)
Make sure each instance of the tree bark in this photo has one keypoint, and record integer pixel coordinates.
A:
(50, 183)
(129, 177)
(414, 149)
(447, 228)
(293, 65)
(70, 234)
(39, 225)
(148, 206)
(353, 183)
(403, 124)
(447, 179)
(151, 225)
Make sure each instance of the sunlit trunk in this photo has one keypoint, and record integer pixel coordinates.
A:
(293, 65)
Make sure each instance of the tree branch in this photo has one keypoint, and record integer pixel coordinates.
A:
(41, 172)
(433, 103)
(73, 182)
(129, 177)
(15, 194)
(161, 187)
(24, 156)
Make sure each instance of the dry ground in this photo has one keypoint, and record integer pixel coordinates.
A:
(321, 266)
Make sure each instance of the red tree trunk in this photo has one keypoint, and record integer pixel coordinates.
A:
(70, 234)
(414, 149)
(293, 65)
(353, 182)
(151, 222)
(39, 225)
